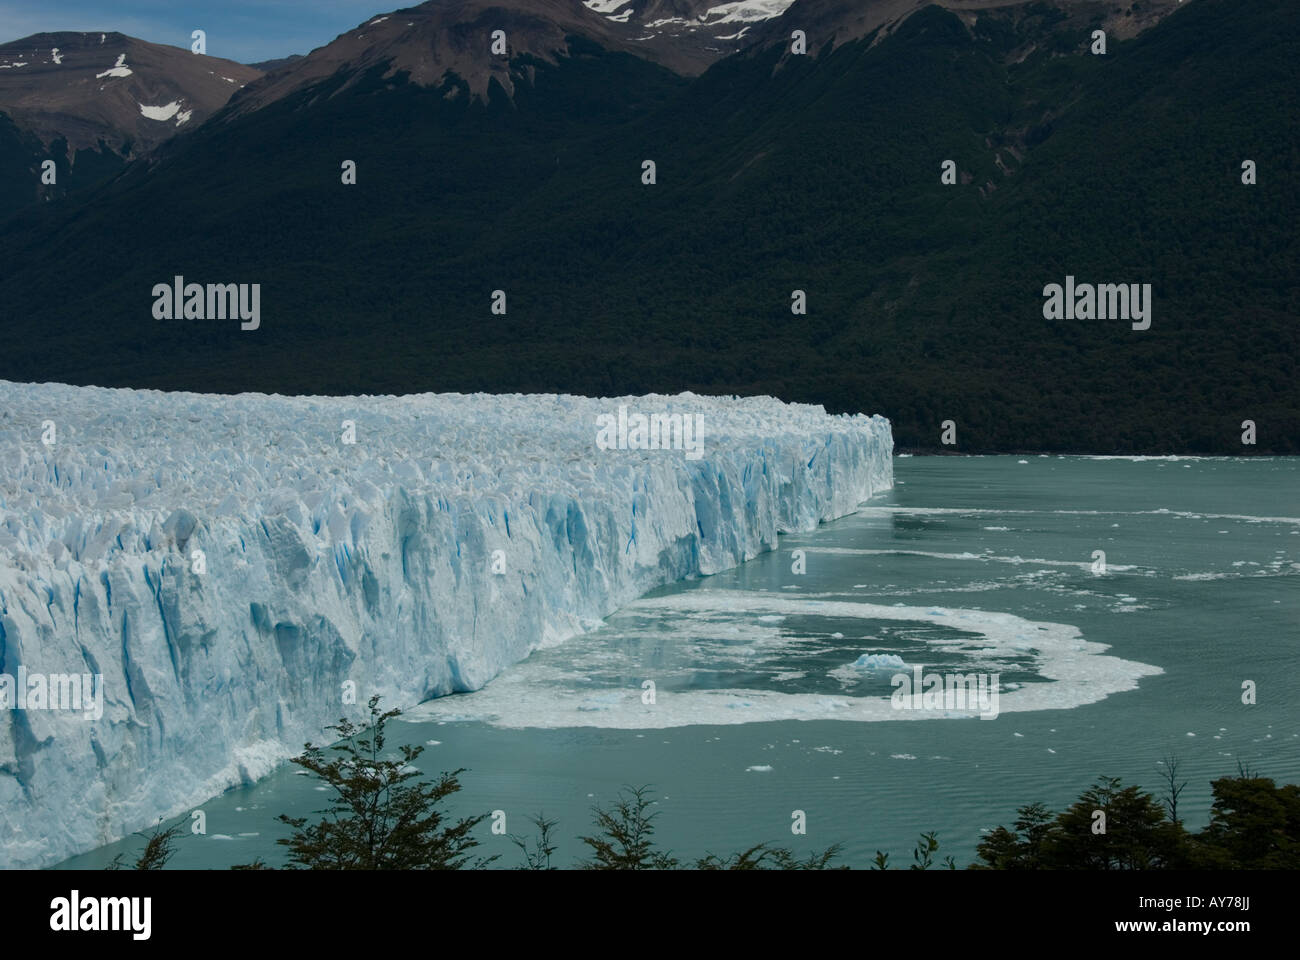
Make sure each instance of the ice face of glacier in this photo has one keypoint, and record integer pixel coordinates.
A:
(228, 564)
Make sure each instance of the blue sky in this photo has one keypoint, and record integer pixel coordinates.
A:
(243, 30)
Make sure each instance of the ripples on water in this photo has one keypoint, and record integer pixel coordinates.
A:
(968, 565)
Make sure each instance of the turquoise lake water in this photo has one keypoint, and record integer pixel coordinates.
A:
(772, 687)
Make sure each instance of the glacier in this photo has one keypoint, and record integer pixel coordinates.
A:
(232, 566)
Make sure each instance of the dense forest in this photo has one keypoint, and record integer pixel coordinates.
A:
(774, 173)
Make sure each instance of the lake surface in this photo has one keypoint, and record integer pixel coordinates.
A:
(771, 686)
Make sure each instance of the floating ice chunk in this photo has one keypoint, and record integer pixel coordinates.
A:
(874, 662)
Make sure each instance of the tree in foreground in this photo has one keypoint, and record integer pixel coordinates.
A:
(926, 848)
(1254, 825)
(1168, 768)
(1020, 848)
(624, 838)
(383, 816)
(762, 857)
(1110, 827)
(538, 855)
(158, 849)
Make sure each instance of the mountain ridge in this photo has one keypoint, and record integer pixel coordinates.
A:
(428, 42)
(114, 89)
(774, 174)
(91, 102)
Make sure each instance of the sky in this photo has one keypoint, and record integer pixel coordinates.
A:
(244, 30)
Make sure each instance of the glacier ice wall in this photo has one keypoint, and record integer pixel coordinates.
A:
(330, 561)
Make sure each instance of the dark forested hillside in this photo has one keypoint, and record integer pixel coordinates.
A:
(774, 173)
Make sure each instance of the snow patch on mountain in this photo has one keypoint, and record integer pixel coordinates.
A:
(119, 69)
(228, 563)
(747, 11)
(165, 112)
